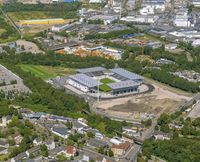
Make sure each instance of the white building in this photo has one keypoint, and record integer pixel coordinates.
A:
(196, 42)
(107, 19)
(181, 19)
(196, 3)
(96, 1)
(59, 28)
(187, 34)
(61, 131)
(147, 10)
(140, 19)
(4, 121)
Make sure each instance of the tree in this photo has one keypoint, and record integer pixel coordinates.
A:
(147, 123)
(44, 150)
(110, 153)
(101, 150)
(61, 157)
(163, 119)
(90, 134)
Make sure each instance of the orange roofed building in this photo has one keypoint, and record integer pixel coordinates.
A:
(120, 149)
(70, 151)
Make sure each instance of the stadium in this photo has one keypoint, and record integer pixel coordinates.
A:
(111, 82)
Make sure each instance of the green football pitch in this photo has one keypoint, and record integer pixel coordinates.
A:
(104, 87)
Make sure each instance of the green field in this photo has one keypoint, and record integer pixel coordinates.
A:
(104, 87)
(46, 72)
(24, 15)
(107, 81)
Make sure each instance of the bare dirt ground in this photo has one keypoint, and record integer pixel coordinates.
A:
(161, 100)
(29, 46)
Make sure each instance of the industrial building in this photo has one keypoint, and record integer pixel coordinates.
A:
(90, 79)
(196, 3)
(107, 19)
(182, 19)
(149, 19)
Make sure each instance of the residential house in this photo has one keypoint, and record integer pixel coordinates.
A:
(37, 141)
(61, 131)
(5, 120)
(97, 134)
(33, 151)
(78, 126)
(3, 150)
(18, 139)
(19, 157)
(50, 144)
(70, 151)
(158, 135)
(56, 151)
(95, 143)
(120, 149)
(4, 143)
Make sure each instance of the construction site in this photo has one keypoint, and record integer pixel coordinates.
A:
(142, 106)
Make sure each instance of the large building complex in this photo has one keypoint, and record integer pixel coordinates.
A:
(110, 81)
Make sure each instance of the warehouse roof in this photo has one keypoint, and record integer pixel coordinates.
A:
(126, 74)
(92, 69)
(85, 80)
(123, 84)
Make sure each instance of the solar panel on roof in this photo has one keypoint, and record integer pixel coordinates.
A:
(126, 74)
(85, 80)
(123, 84)
(90, 70)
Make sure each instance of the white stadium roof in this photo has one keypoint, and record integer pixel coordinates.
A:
(126, 74)
(85, 80)
(123, 84)
(90, 70)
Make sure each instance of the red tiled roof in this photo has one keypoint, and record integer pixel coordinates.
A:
(70, 149)
(123, 146)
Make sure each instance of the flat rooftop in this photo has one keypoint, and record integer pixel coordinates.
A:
(90, 70)
(123, 84)
(85, 80)
(126, 74)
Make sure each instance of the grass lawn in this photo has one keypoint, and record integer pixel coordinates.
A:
(104, 88)
(107, 81)
(24, 15)
(46, 72)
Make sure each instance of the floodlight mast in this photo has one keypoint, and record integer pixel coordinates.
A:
(98, 94)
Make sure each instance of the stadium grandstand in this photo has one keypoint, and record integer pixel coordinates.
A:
(110, 81)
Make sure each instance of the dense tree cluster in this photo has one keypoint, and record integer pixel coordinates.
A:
(110, 35)
(52, 59)
(174, 81)
(175, 150)
(8, 32)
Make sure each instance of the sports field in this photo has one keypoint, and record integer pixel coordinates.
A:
(104, 87)
(107, 81)
(46, 72)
